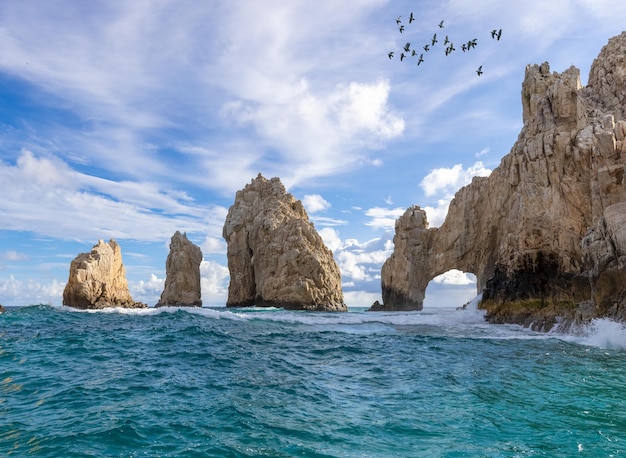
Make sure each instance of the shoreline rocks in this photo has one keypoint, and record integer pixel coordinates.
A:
(275, 255)
(542, 232)
(182, 280)
(98, 279)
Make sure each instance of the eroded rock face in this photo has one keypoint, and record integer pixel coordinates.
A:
(98, 279)
(275, 255)
(182, 281)
(521, 230)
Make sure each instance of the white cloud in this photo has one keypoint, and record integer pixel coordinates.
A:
(309, 128)
(214, 279)
(384, 218)
(455, 277)
(17, 292)
(331, 238)
(62, 203)
(213, 245)
(451, 179)
(437, 215)
(314, 203)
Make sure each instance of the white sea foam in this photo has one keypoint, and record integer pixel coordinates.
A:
(600, 333)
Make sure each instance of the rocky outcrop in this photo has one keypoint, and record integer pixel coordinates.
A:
(275, 255)
(98, 279)
(2, 309)
(521, 230)
(182, 281)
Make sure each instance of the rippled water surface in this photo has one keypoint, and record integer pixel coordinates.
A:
(215, 382)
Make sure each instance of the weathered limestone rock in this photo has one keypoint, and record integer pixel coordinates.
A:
(98, 279)
(520, 230)
(275, 255)
(182, 280)
(604, 253)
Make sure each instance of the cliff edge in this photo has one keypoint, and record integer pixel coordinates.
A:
(544, 232)
(275, 255)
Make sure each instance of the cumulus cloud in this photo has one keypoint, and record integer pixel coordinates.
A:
(455, 277)
(16, 292)
(214, 279)
(314, 203)
(451, 179)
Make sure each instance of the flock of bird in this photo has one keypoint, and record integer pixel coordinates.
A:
(407, 51)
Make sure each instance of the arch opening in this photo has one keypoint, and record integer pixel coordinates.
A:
(453, 288)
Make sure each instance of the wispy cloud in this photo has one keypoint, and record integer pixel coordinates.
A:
(62, 203)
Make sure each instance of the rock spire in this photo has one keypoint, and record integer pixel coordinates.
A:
(182, 281)
(275, 255)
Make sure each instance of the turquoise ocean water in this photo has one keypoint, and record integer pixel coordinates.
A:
(246, 383)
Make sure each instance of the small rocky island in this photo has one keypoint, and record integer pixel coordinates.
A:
(98, 279)
(275, 255)
(182, 280)
(545, 233)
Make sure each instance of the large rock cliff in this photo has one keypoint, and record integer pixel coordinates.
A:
(182, 280)
(98, 279)
(523, 231)
(275, 255)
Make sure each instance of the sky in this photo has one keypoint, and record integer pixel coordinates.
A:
(132, 120)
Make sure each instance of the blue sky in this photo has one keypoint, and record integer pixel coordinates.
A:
(135, 119)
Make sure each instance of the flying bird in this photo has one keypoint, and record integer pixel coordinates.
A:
(398, 21)
(413, 53)
(401, 28)
(407, 47)
(499, 34)
(402, 56)
(479, 71)
(434, 40)
(441, 25)
(390, 54)
(446, 41)
(450, 48)
(496, 34)
(411, 18)
(426, 48)
(464, 47)
(421, 59)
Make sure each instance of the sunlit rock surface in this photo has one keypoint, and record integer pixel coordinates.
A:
(275, 255)
(98, 279)
(523, 231)
(182, 280)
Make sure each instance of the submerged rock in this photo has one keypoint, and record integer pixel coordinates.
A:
(523, 231)
(98, 279)
(182, 281)
(275, 255)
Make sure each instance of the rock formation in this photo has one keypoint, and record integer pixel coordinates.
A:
(275, 255)
(523, 231)
(98, 279)
(2, 309)
(182, 280)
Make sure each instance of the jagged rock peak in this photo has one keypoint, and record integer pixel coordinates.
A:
(275, 255)
(523, 231)
(98, 279)
(182, 280)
